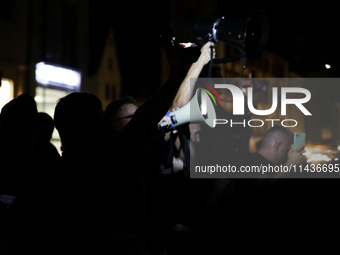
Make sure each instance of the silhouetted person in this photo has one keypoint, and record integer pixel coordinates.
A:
(87, 169)
(19, 123)
(19, 126)
(78, 118)
(119, 114)
(258, 202)
(87, 206)
(47, 152)
(276, 150)
(133, 142)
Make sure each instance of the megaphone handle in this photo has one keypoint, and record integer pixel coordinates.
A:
(164, 124)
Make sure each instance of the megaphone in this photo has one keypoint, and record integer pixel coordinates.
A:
(199, 109)
(249, 34)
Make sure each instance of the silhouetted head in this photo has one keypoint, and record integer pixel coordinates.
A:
(19, 122)
(118, 113)
(78, 117)
(276, 144)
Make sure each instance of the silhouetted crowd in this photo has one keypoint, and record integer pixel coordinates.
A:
(122, 186)
(104, 194)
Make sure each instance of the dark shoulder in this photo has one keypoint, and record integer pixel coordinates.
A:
(256, 159)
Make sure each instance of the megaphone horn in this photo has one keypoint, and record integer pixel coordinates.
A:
(199, 109)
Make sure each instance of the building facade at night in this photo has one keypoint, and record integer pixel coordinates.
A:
(105, 83)
(44, 50)
(52, 32)
(56, 34)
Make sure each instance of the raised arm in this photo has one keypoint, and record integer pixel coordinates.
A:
(185, 91)
(147, 117)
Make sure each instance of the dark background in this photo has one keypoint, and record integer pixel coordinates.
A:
(305, 33)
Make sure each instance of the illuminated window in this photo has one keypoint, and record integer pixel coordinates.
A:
(6, 92)
(57, 76)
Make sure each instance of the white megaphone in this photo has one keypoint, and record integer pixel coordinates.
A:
(199, 109)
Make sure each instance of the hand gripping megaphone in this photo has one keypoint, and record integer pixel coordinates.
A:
(249, 34)
(199, 109)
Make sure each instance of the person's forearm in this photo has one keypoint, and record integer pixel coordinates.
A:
(146, 118)
(185, 90)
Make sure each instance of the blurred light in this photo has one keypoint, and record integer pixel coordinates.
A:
(6, 92)
(328, 66)
(188, 45)
(38, 99)
(55, 75)
(317, 153)
(339, 148)
(307, 153)
(318, 157)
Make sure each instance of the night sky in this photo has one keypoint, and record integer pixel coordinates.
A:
(305, 33)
